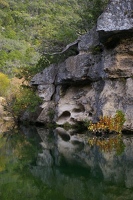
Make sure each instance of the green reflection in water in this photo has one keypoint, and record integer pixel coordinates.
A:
(17, 155)
(108, 144)
(21, 179)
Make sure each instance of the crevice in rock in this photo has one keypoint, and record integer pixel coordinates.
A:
(112, 39)
(64, 116)
(79, 109)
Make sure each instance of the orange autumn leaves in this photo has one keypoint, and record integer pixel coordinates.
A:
(106, 126)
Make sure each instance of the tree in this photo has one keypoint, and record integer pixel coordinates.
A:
(42, 26)
(20, 98)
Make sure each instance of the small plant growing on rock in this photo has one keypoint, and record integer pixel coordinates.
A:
(108, 125)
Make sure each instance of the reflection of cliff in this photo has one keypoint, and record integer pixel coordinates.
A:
(62, 147)
(76, 184)
(98, 80)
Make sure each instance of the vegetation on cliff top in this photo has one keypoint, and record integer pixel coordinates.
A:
(28, 29)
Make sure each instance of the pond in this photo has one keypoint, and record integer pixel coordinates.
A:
(36, 164)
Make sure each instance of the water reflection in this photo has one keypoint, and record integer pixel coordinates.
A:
(61, 169)
(17, 154)
(108, 143)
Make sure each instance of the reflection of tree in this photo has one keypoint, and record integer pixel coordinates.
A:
(17, 152)
(3, 159)
(106, 126)
(109, 144)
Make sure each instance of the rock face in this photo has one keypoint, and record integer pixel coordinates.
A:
(99, 79)
(117, 18)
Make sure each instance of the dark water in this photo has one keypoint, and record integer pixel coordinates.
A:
(25, 174)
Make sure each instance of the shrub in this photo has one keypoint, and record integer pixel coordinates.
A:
(4, 84)
(19, 99)
(105, 126)
(108, 124)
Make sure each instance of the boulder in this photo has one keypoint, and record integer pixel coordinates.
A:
(80, 68)
(117, 18)
(47, 76)
(88, 41)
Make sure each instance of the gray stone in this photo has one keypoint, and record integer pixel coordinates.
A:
(47, 114)
(76, 105)
(46, 137)
(47, 76)
(129, 90)
(117, 17)
(29, 116)
(80, 68)
(77, 142)
(46, 91)
(88, 41)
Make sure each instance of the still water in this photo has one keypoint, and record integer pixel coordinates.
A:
(28, 170)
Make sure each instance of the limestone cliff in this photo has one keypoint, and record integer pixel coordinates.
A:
(99, 79)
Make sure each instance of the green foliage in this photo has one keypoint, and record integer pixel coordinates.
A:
(27, 99)
(89, 11)
(30, 28)
(3, 4)
(17, 101)
(18, 155)
(51, 113)
(96, 50)
(27, 72)
(16, 54)
(18, 183)
(67, 126)
(4, 84)
(31, 31)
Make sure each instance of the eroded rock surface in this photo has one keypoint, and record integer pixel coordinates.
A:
(46, 91)
(99, 80)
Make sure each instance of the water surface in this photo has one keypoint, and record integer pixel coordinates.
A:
(28, 171)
